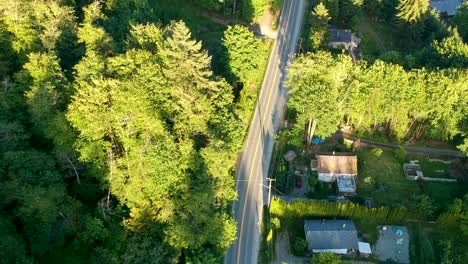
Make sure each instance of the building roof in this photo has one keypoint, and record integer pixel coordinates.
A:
(290, 155)
(337, 164)
(346, 184)
(364, 248)
(340, 35)
(446, 6)
(331, 234)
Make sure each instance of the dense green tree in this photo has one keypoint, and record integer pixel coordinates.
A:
(412, 10)
(252, 10)
(141, 117)
(424, 205)
(460, 19)
(407, 105)
(245, 65)
(333, 7)
(186, 67)
(7, 54)
(453, 52)
(326, 258)
(317, 93)
(319, 26)
(12, 246)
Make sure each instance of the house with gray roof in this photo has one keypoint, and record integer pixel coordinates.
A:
(335, 236)
(342, 38)
(446, 7)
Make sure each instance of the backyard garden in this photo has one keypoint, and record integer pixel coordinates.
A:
(381, 182)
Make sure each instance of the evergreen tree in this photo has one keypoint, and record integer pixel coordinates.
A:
(186, 67)
(412, 10)
(461, 18)
(244, 54)
(319, 26)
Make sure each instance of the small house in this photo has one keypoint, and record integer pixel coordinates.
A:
(343, 38)
(412, 170)
(335, 236)
(341, 168)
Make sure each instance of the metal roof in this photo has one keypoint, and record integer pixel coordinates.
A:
(331, 234)
(340, 35)
(337, 164)
(446, 6)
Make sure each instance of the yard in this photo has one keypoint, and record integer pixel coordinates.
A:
(381, 178)
(434, 169)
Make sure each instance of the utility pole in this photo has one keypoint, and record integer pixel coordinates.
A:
(269, 190)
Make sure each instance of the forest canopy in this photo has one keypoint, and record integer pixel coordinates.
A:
(332, 91)
(117, 141)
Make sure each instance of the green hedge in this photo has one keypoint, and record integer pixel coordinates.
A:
(313, 208)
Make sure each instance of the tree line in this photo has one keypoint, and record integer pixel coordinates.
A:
(250, 10)
(319, 209)
(422, 39)
(117, 141)
(327, 92)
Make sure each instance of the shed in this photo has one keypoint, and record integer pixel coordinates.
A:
(364, 249)
(336, 236)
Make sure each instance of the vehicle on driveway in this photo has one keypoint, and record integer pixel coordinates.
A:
(298, 181)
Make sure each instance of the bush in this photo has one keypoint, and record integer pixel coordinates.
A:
(369, 180)
(313, 180)
(400, 154)
(326, 258)
(424, 205)
(321, 209)
(376, 152)
(275, 223)
(299, 246)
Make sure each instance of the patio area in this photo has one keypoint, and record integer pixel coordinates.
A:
(393, 244)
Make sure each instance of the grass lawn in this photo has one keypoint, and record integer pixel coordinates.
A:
(388, 186)
(378, 37)
(434, 169)
(386, 183)
(368, 231)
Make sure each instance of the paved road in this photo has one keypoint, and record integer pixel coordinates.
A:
(254, 162)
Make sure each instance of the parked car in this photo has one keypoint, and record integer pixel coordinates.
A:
(298, 182)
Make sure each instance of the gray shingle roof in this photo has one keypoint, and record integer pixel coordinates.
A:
(340, 35)
(331, 234)
(446, 6)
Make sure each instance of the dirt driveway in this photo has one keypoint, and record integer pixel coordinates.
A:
(283, 253)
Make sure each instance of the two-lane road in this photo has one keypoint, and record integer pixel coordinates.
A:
(255, 159)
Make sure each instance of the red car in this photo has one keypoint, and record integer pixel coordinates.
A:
(298, 182)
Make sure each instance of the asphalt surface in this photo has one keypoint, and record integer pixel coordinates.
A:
(253, 165)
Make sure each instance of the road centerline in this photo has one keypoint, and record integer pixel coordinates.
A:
(263, 117)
